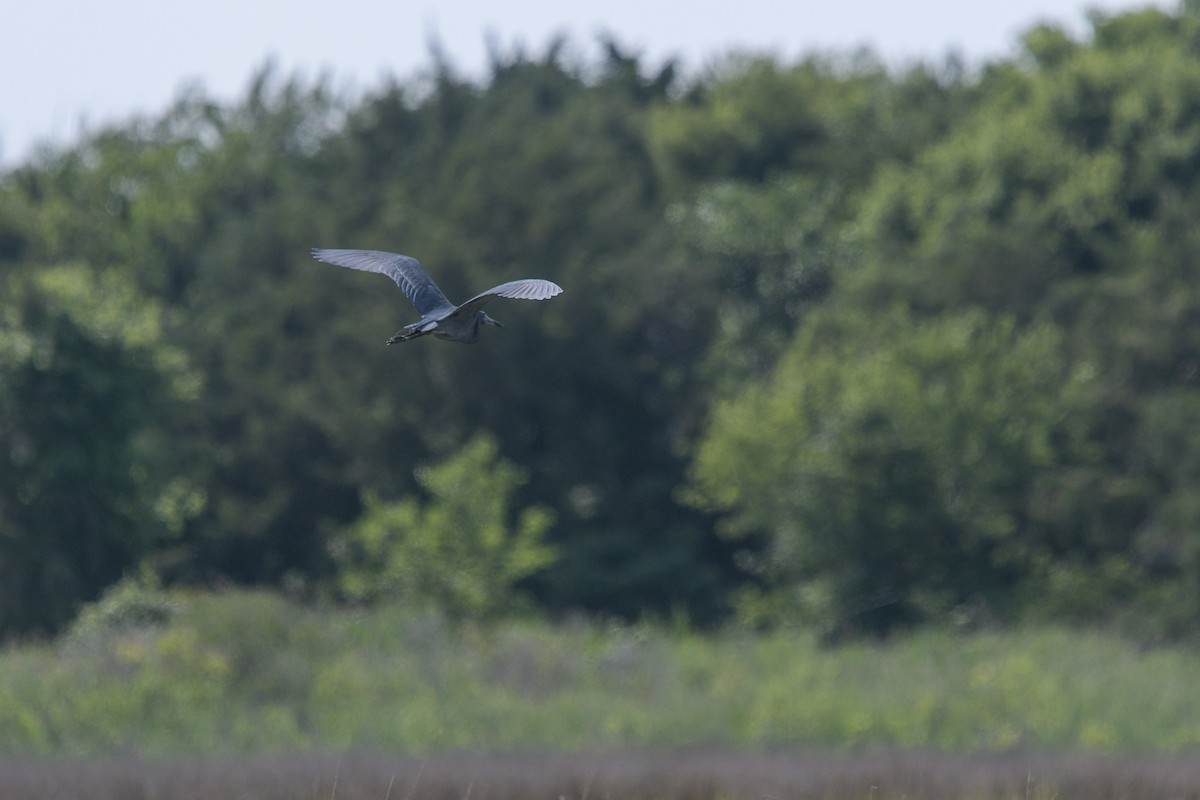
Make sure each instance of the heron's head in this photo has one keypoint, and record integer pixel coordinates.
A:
(488, 320)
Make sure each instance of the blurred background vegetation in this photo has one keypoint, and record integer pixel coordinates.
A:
(248, 672)
(842, 346)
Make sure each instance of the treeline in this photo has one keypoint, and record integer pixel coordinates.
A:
(842, 345)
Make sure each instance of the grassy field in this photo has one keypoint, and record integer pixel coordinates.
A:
(249, 673)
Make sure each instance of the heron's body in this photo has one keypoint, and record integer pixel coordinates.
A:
(439, 317)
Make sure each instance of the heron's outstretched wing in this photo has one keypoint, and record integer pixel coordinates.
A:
(526, 289)
(406, 271)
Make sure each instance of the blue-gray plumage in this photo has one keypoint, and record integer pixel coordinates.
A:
(439, 316)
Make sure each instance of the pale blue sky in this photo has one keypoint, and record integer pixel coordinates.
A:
(67, 65)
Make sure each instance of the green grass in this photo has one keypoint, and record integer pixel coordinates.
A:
(251, 673)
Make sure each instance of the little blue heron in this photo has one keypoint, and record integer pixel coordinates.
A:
(439, 316)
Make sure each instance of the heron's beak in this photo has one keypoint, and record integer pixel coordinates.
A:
(488, 320)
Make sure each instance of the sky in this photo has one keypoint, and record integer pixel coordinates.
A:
(68, 66)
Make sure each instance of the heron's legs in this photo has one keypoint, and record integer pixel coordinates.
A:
(405, 335)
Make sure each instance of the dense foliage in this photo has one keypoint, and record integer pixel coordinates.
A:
(840, 344)
(244, 672)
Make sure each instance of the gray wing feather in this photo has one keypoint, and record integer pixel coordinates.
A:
(526, 289)
(406, 271)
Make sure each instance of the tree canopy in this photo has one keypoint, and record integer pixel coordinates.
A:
(854, 345)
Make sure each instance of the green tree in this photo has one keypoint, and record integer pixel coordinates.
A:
(88, 480)
(893, 462)
(463, 550)
(752, 118)
(1069, 196)
(1062, 172)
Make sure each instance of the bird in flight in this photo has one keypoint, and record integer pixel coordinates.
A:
(439, 317)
